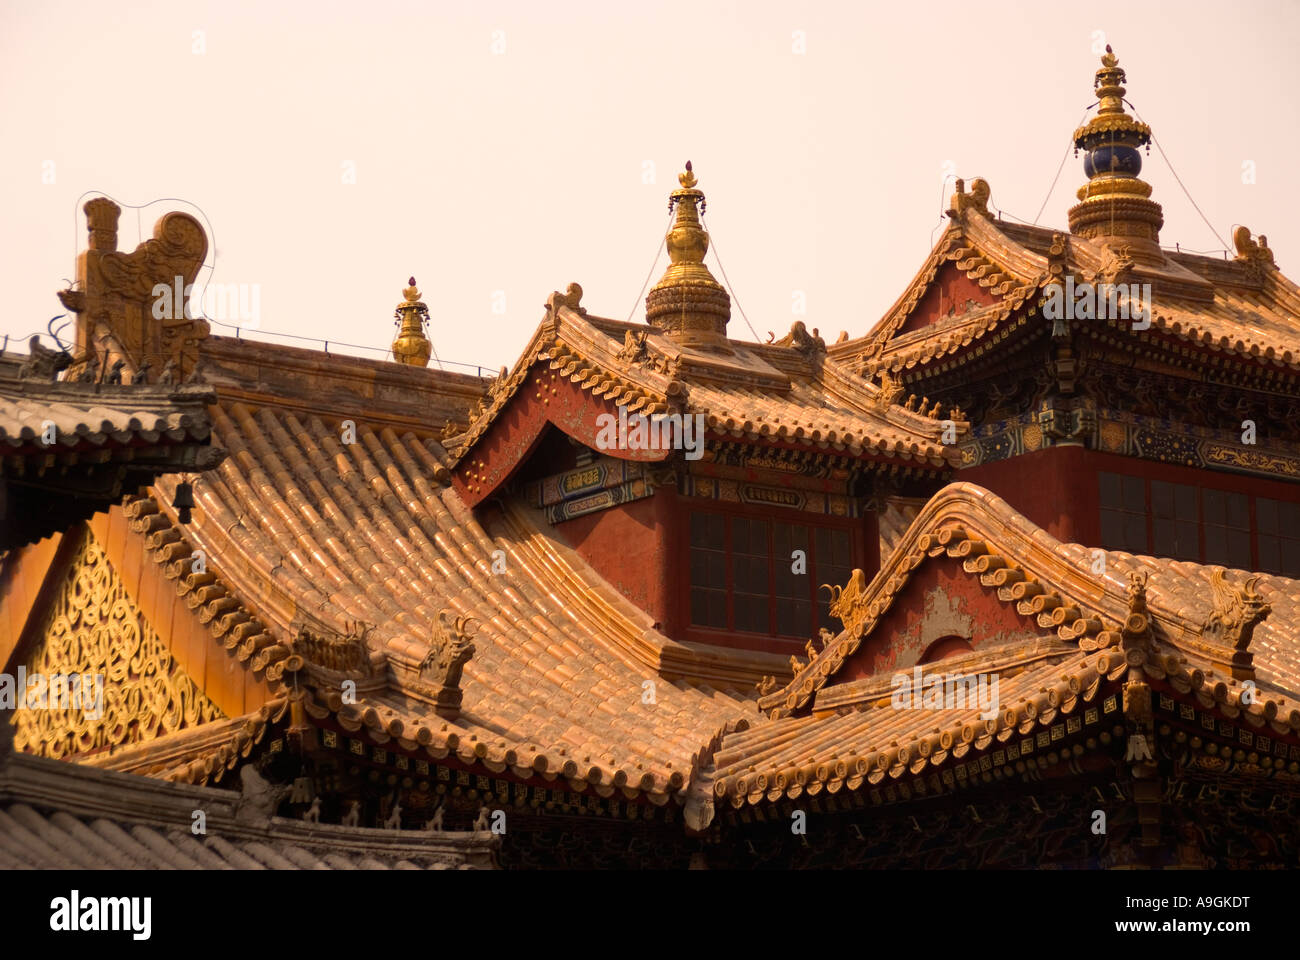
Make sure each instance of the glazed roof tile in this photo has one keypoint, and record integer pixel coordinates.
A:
(1241, 306)
(786, 391)
(99, 414)
(1080, 614)
(296, 522)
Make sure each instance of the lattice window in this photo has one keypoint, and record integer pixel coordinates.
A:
(1124, 513)
(708, 570)
(1175, 521)
(1279, 536)
(1227, 528)
(743, 574)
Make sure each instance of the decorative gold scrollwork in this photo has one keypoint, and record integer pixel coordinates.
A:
(93, 628)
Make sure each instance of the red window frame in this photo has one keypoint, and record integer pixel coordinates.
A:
(853, 528)
(1202, 521)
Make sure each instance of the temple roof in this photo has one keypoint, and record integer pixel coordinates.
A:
(1243, 307)
(365, 540)
(56, 815)
(827, 734)
(787, 392)
(108, 440)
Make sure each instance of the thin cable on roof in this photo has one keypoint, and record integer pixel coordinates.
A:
(654, 263)
(1186, 192)
(943, 207)
(76, 224)
(713, 245)
(1066, 156)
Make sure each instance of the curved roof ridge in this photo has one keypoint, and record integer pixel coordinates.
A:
(1047, 579)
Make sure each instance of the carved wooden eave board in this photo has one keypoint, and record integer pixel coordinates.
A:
(177, 702)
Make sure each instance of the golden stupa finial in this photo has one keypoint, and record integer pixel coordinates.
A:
(1114, 202)
(687, 303)
(411, 346)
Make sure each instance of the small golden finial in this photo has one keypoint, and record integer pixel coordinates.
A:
(411, 346)
(687, 303)
(1108, 58)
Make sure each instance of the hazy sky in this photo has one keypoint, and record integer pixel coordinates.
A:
(502, 150)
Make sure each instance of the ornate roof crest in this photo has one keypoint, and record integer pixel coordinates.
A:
(809, 344)
(848, 603)
(571, 298)
(345, 652)
(977, 201)
(1237, 610)
(891, 391)
(450, 648)
(1256, 254)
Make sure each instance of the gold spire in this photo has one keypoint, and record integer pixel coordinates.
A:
(1114, 202)
(687, 304)
(411, 345)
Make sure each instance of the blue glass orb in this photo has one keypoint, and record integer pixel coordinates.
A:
(1125, 161)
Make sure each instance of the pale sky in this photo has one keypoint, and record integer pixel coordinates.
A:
(502, 150)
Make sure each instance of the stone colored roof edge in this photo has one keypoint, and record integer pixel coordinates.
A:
(145, 823)
(1027, 567)
(754, 765)
(297, 378)
(98, 414)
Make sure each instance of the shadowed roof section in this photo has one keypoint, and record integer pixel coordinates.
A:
(109, 440)
(60, 816)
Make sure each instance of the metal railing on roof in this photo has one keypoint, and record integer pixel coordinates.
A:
(241, 333)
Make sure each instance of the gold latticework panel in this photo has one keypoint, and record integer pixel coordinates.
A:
(92, 627)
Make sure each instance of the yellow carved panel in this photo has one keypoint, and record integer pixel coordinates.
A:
(92, 627)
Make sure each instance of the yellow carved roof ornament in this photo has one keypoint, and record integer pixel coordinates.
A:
(411, 346)
(688, 304)
(1115, 203)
